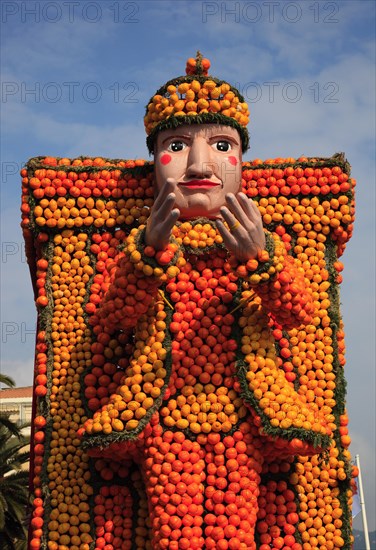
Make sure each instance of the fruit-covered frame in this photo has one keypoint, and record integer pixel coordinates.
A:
(76, 216)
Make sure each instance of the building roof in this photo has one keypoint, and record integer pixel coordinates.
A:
(15, 393)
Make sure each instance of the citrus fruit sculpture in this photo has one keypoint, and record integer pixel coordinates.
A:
(184, 399)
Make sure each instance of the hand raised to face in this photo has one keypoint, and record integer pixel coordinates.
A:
(163, 216)
(245, 235)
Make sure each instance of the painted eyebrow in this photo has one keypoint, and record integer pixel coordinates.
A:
(225, 137)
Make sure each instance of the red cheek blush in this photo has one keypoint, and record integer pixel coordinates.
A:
(165, 159)
(233, 160)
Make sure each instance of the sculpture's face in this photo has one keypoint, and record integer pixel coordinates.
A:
(206, 163)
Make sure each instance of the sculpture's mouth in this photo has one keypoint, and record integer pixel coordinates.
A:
(199, 184)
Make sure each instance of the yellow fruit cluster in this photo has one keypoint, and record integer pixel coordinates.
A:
(276, 397)
(196, 235)
(321, 511)
(142, 381)
(67, 464)
(196, 97)
(88, 212)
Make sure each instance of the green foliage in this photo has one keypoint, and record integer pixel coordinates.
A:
(14, 481)
(6, 380)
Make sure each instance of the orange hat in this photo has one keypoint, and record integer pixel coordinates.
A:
(196, 99)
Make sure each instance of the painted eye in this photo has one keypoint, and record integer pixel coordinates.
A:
(223, 146)
(176, 146)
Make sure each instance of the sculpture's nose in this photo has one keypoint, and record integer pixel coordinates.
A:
(200, 162)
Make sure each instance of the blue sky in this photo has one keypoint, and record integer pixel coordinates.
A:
(75, 80)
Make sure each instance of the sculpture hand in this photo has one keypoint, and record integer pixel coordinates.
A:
(245, 236)
(163, 217)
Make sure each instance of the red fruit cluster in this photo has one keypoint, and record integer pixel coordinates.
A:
(203, 495)
(115, 517)
(42, 266)
(288, 181)
(277, 517)
(289, 295)
(197, 66)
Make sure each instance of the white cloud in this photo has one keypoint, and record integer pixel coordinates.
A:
(60, 47)
(66, 138)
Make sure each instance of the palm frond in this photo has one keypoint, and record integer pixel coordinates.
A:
(16, 508)
(14, 481)
(11, 426)
(3, 508)
(22, 458)
(14, 528)
(9, 460)
(21, 544)
(7, 380)
(6, 542)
